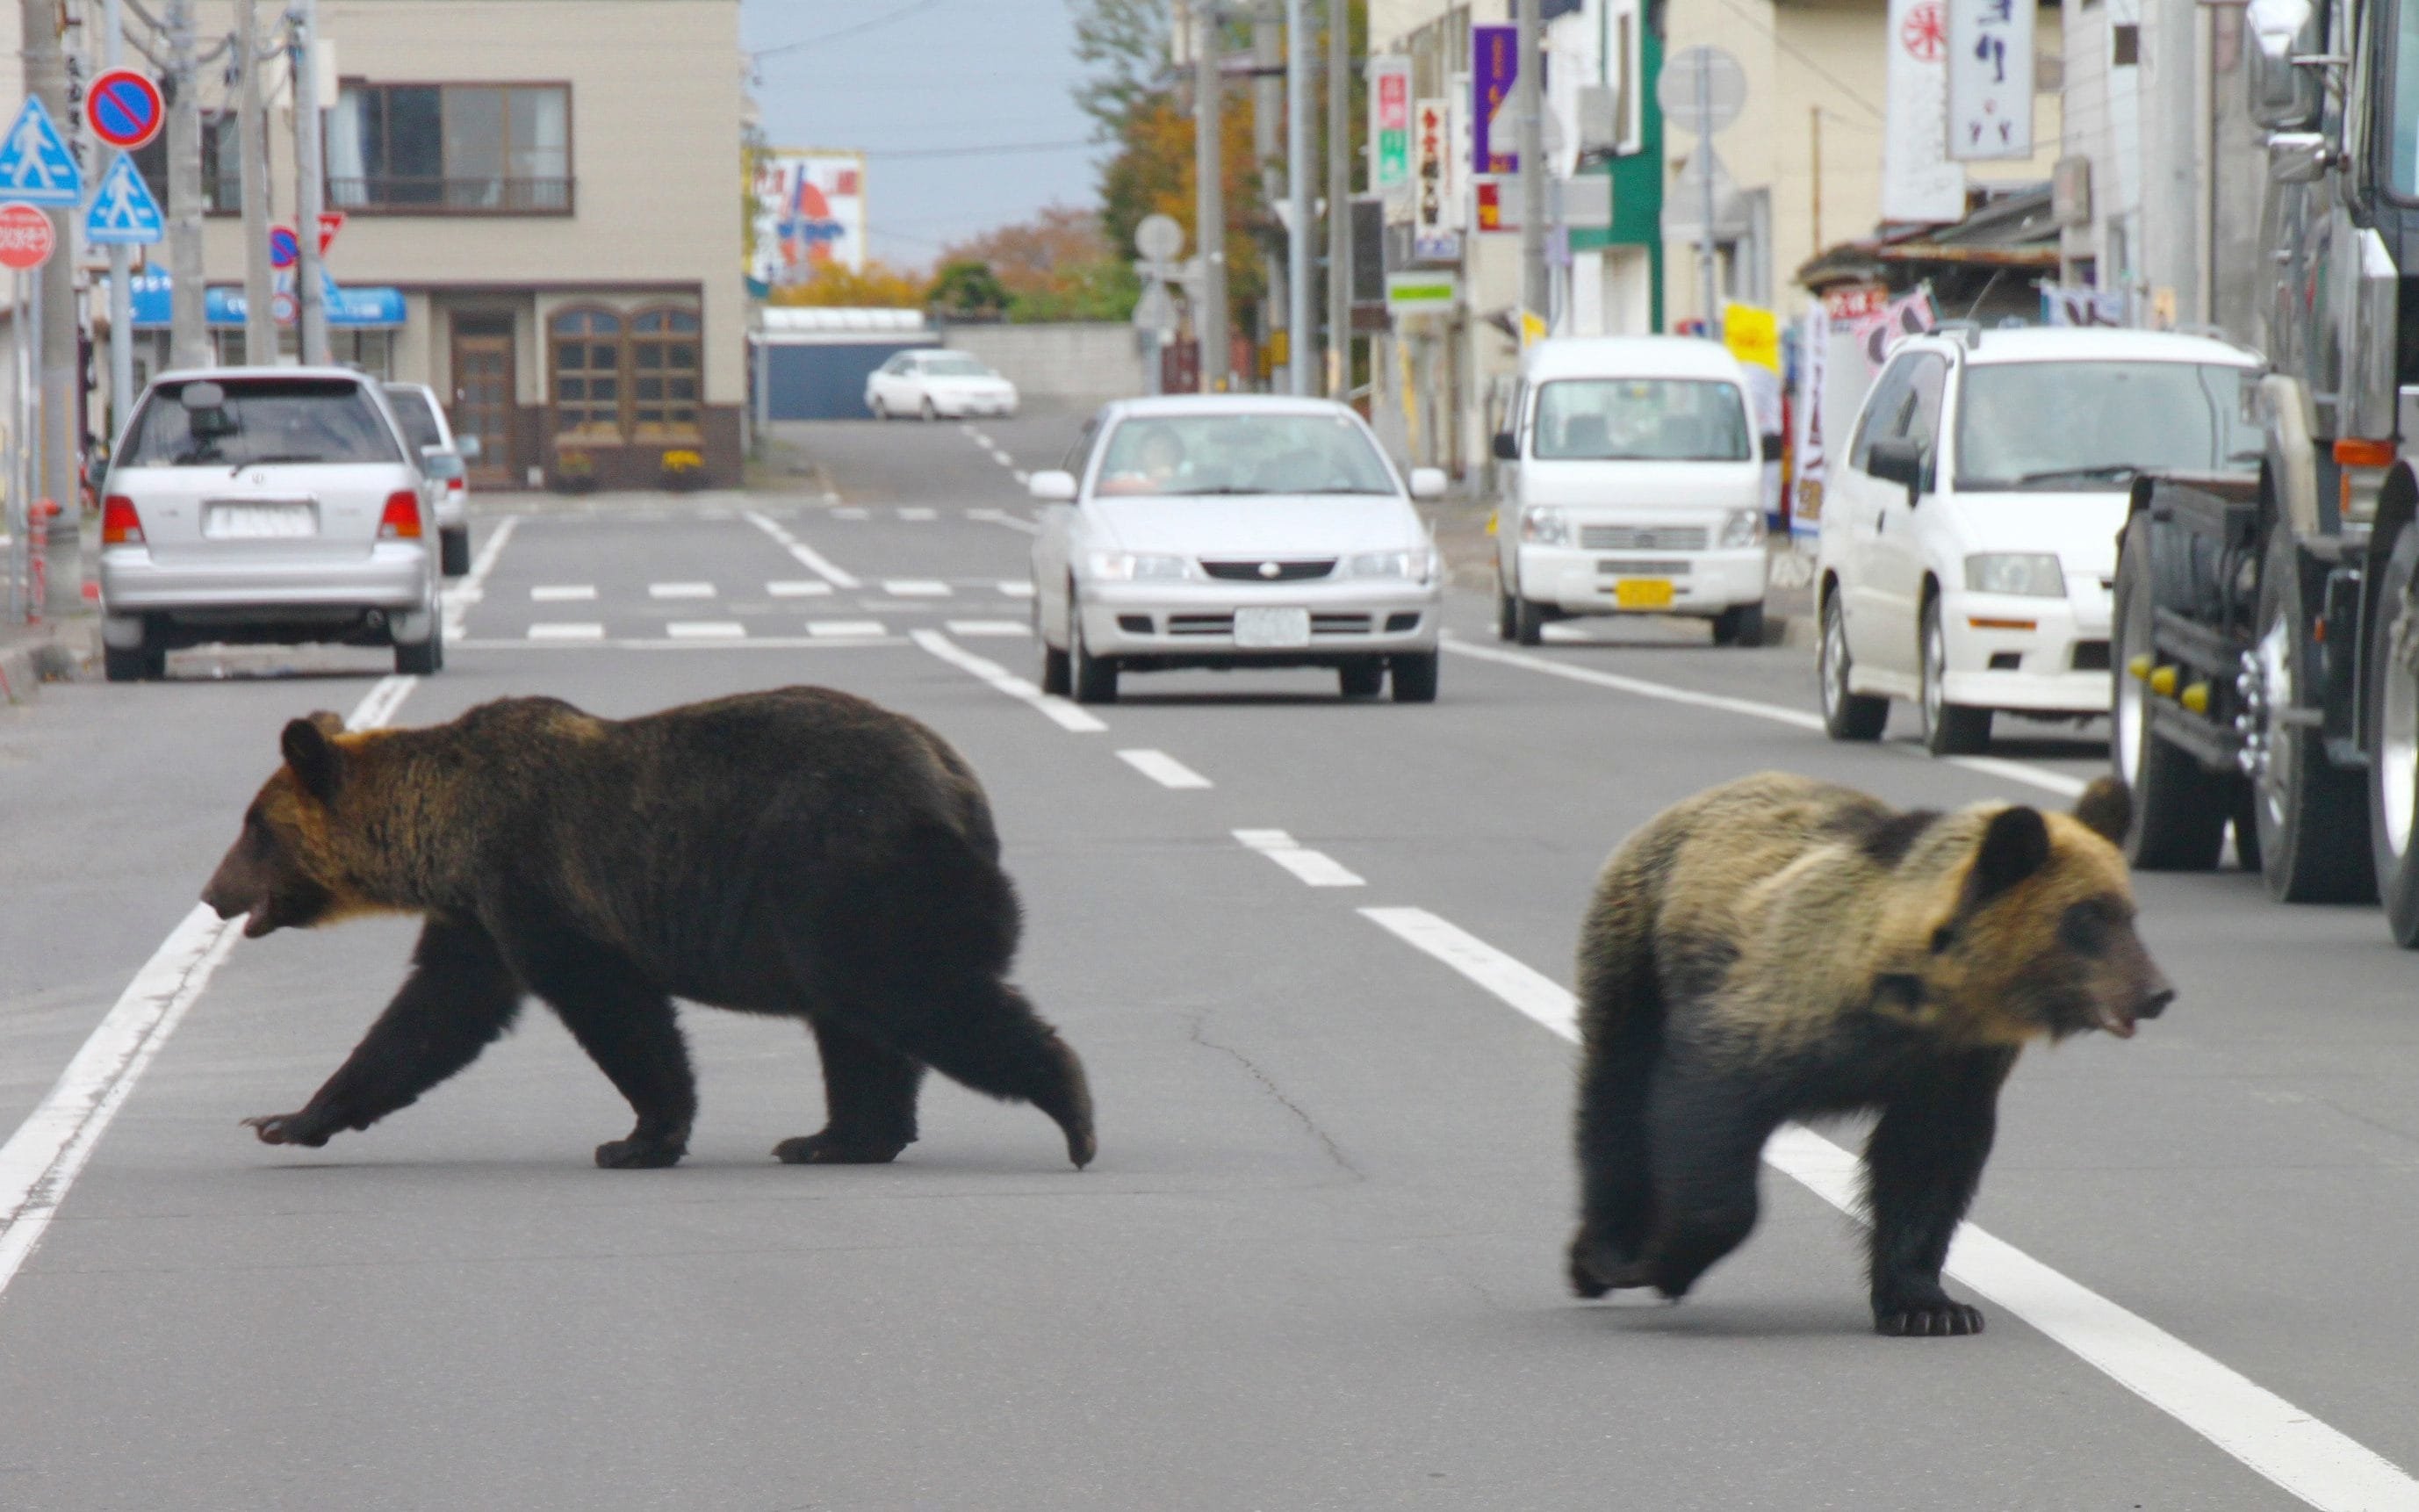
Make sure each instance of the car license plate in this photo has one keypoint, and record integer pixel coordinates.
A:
(259, 522)
(1270, 628)
(1643, 593)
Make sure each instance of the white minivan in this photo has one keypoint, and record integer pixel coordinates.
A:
(1631, 482)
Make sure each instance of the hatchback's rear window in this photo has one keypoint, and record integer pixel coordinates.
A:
(262, 420)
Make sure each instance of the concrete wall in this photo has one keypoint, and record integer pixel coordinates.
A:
(1079, 361)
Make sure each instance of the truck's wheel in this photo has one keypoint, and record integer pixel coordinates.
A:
(2180, 807)
(1845, 715)
(1527, 621)
(2313, 815)
(2392, 672)
(1507, 613)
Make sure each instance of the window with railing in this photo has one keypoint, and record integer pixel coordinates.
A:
(451, 148)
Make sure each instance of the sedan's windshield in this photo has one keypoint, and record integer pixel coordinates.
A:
(1639, 420)
(2078, 426)
(956, 367)
(262, 420)
(1182, 455)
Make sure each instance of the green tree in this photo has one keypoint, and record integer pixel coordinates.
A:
(968, 289)
(1123, 47)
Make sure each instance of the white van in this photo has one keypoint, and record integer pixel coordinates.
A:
(1631, 482)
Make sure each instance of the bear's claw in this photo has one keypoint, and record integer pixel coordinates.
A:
(827, 1149)
(1933, 1320)
(284, 1129)
(637, 1154)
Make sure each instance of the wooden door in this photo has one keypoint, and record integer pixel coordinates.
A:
(482, 394)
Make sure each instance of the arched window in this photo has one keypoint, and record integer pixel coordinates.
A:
(664, 372)
(586, 346)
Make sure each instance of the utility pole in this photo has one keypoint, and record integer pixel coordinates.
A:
(259, 325)
(310, 288)
(54, 316)
(1528, 111)
(1339, 198)
(189, 335)
(1268, 150)
(121, 267)
(1209, 204)
(1301, 337)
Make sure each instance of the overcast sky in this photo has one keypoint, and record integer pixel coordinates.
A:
(943, 78)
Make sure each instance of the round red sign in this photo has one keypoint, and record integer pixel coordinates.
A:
(25, 236)
(124, 109)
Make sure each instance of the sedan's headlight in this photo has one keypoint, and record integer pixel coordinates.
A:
(1544, 525)
(1415, 565)
(1133, 566)
(2027, 574)
(1743, 526)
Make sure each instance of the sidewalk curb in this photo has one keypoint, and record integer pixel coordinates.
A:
(56, 653)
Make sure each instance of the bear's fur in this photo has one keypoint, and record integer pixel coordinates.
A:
(800, 853)
(1779, 947)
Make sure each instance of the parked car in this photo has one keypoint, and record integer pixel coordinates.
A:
(1968, 531)
(446, 459)
(933, 382)
(277, 505)
(1630, 481)
(1233, 531)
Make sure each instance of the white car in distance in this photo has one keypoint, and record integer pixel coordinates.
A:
(1229, 531)
(936, 383)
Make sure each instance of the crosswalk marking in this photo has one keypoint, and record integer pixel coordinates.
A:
(1016, 587)
(562, 631)
(824, 628)
(982, 627)
(706, 630)
(680, 589)
(916, 588)
(798, 590)
(562, 592)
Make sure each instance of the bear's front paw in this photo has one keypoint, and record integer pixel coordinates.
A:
(289, 1129)
(1934, 1318)
(1598, 1267)
(638, 1154)
(828, 1149)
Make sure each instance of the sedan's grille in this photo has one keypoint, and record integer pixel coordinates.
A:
(1339, 625)
(1201, 624)
(1256, 571)
(1643, 537)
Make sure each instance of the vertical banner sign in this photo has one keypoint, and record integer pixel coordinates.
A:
(1806, 414)
(1436, 189)
(1390, 123)
(809, 214)
(1494, 63)
(1990, 80)
(1918, 181)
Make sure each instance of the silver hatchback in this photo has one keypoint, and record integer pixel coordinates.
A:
(276, 505)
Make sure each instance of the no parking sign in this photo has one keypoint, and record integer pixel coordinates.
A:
(124, 109)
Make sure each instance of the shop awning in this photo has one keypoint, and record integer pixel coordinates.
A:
(350, 307)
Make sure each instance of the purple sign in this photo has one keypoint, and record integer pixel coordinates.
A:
(1494, 63)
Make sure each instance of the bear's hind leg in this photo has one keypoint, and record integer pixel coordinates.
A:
(625, 1024)
(1616, 1188)
(1707, 1141)
(1921, 1166)
(986, 1036)
(868, 1102)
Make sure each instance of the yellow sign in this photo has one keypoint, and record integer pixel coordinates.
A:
(1532, 329)
(1753, 335)
(1643, 593)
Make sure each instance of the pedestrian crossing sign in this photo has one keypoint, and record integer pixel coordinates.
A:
(35, 167)
(123, 214)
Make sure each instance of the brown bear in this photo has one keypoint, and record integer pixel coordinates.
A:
(800, 853)
(1778, 948)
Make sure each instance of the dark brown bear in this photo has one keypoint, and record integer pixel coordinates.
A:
(1781, 949)
(800, 853)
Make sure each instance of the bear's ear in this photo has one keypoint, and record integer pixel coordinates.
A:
(313, 754)
(2014, 847)
(2106, 808)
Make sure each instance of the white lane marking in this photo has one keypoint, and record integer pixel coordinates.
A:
(793, 588)
(2284, 1444)
(562, 593)
(1164, 769)
(2057, 782)
(824, 629)
(566, 630)
(1021, 477)
(830, 498)
(1316, 869)
(853, 512)
(1001, 516)
(456, 602)
(976, 628)
(43, 1158)
(1016, 587)
(753, 642)
(916, 588)
(808, 557)
(680, 589)
(1061, 712)
(706, 630)
(918, 514)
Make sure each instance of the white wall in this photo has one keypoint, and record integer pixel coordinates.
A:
(1087, 362)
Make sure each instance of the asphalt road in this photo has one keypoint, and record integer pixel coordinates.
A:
(1317, 1263)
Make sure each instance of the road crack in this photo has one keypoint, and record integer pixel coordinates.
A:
(1334, 1151)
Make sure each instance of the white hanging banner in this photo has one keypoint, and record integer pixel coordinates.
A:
(1990, 79)
(1919, 180)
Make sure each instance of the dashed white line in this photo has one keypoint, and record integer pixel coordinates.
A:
(680, 589)
(561, 630)
(1316, 869)
(918, 514)
(1061, 712)
(916, 588)
(2284, 1444)
(706, 630)
(794, 589)
(1016, 587)
(1001, 516)
(808, 557)
(853, 512)
(978, 629)
(562, 592)
(1164, 769)
(828, 629)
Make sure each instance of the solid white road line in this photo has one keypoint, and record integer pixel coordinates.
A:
(797, 589)
(1316, 869)
(456, 602)
(706, 630)
(562, 593)
(1061, 712)
(916, 588)
(808, 557)
(2057, 782)
(564, 630)
(42, 1158)
(753, 642)
(1164, 769)
(2271, 1435)
(918, 514)
(823, 629)
(1001, 516)
(680, 589)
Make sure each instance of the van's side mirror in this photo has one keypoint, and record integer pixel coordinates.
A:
(1507, 446)
(1897, 461)
(1427, 483)
(469, 446)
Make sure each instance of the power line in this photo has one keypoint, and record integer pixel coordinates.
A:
(760, 55)
(987, 149)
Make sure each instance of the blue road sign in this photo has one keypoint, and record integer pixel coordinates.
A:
(35, 164)
(123, 214)
(284, 248)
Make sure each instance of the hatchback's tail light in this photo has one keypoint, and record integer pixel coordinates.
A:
(401, 521)
(119, 524)
(457, 484)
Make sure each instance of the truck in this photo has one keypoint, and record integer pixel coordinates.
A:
(2265, 635)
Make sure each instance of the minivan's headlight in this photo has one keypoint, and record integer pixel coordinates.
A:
(1544, 525)
(1743, 526)
(2029, 574)
(1414, 566)
(1132, 566)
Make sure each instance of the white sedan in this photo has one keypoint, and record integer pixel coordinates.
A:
(932, 382)
(1231, 530)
